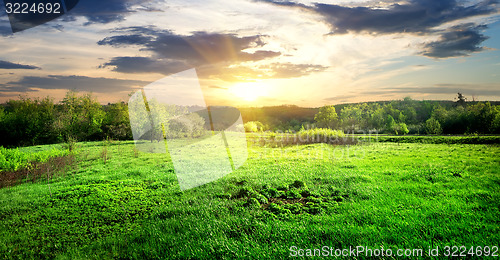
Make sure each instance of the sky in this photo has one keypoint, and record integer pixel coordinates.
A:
(261, 52)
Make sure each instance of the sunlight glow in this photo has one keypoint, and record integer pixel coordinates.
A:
(248, 91)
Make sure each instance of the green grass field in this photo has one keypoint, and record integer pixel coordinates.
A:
(116, 202)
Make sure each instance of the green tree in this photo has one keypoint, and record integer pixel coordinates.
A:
(351, 117)
(27, 121)
(81, 117)
(390, 124)
(402, 129)
(432, 126)
(495, 124)
(327, 117)
(116, 123)
(377, 119)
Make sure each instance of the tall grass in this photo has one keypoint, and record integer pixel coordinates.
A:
(14, 159)
(17, 166)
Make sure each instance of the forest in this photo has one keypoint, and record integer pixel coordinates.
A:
(80, 117)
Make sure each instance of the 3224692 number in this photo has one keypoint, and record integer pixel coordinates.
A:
(35, 8)
(478, 251)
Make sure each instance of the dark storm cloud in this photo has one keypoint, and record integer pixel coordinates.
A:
(11, 66)
(457, 41)
(78, 83)
(416, 16)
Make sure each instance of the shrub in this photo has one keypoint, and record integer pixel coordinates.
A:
(253, 127)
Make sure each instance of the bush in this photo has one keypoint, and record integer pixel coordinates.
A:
(253, 127)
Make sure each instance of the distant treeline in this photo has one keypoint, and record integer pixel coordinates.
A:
(28, 121)
(391, 117)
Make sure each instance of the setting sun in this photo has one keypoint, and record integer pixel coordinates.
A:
(248, 91)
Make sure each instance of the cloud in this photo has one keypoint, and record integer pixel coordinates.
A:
(215, 55)
(99, 11)
(492, 89)
(288, 70)
(145, 65)
(77, 83)
(266, 71)
(457, 41)
(342, 98)
(196, 49)
(5, 30)
(444, 89)
(418, 17)
(217, 87)
(15, 89)
(221, 71)
(415, 16)
(10, 66)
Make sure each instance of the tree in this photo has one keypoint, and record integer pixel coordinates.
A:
(461, 99)
(327, 117)
(351, 117)
(377, 119)
(116, 124)
(27, 121)
(432, 126)
(390, 124)
(81, 117)
(410, 115)
(402, 129)
(495, 124)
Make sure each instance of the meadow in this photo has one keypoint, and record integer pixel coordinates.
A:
(113, 201)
